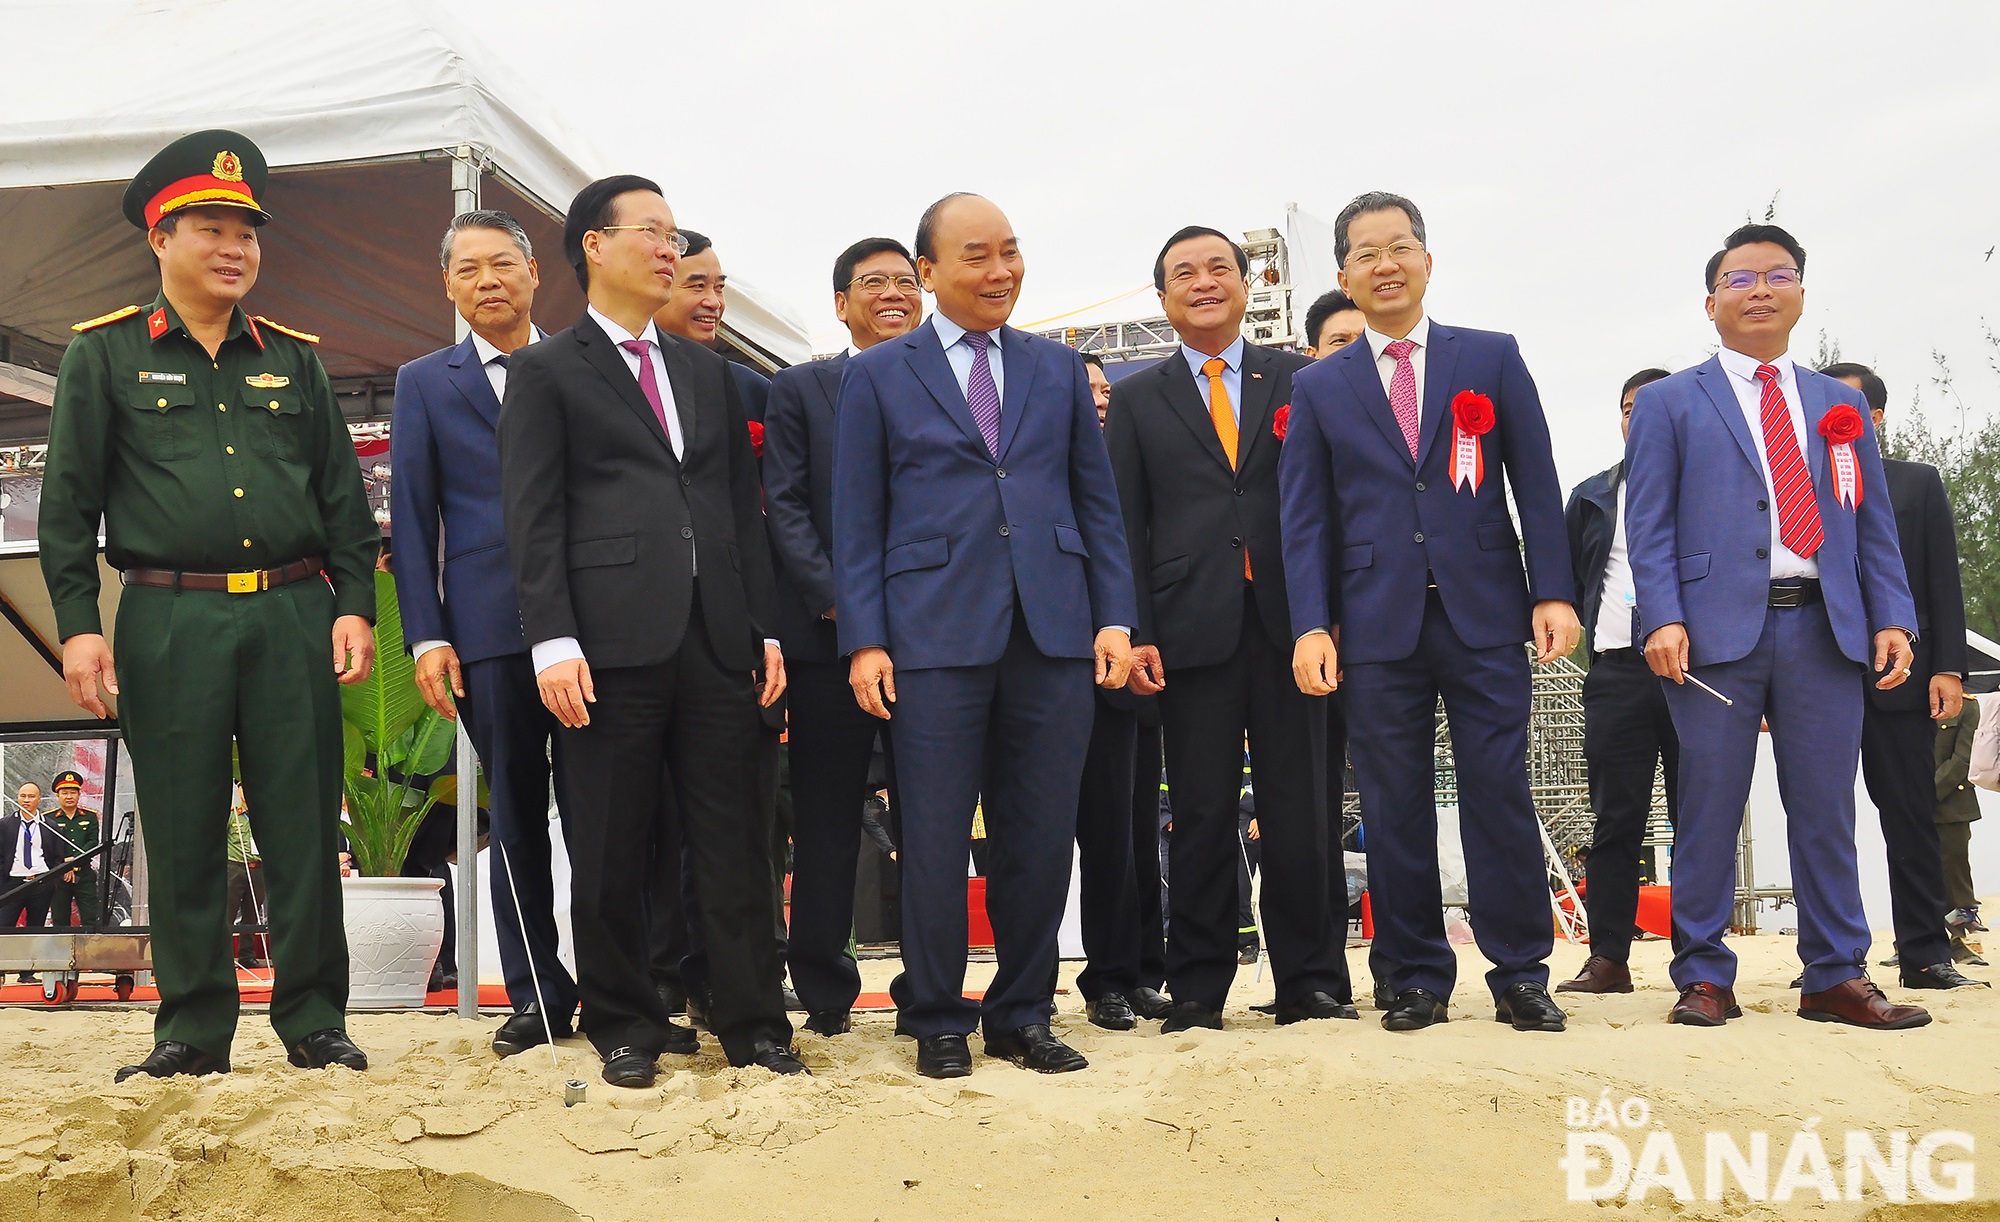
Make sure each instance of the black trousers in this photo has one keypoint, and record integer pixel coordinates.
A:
(1207, 710)
(1627, 732)
(678, 954)
(1249, 854)
(1147, 875)
(34, 902)
(698, 719)
(1897, 764)
(830, 743)
(1106, 883)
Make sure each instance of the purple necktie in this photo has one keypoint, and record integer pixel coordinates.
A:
(980, 394)
(649, 384)
(1403, 389)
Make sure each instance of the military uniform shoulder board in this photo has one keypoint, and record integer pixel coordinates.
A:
(113, 316)
(280, 327)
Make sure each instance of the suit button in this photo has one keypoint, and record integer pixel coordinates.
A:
(686, 480)
(1763, 554)
(1420, 485)
(1239, 492)
(1002, 473)
(687, 532)
(1236, 543)
(1420, 536)
(1003, 532)
(1763, 505)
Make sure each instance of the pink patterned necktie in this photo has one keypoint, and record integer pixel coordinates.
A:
(1403, 389)
(649, 383)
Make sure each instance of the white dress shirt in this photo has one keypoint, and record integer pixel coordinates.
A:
(960, 356)
(1420, 335)
(23, 866)
(1232, 375)
(1617, 596)
(1742, 371)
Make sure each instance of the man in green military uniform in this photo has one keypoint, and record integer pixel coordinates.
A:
(77, 829)
(210, 445)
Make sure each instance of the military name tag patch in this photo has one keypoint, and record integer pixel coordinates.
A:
(266, 381)
(147, 378)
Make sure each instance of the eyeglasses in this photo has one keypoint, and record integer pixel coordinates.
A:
(1369, 256)
(1777, 278)
(654, 234)
(877, 283)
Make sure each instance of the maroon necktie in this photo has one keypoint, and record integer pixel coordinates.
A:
(649, 383)
(1791, 484)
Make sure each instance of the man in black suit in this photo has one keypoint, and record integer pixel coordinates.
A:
(1196, 458)
(645, 584)
(24, 838)
(1899, 726)
(876, 295)
(1627, 729)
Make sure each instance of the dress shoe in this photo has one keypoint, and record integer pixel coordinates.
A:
(699, 1003)
(1313, 1005)
(1859, 1003)
(169, 1058)
(943, 1056)
(1940, 976)
(1035, 1047)
(830, 1022)
(777, 1058)
(440, 981)
(672, 996)
(1413, 1010)
(328, 1046)
(1599, 975)
(1703, 1004)
(524, 1030)
(1384, 995)
(791, 1000)
(1111, 1012)
(630, 1067)
(1246, 955)
(1799, 981)
(1149, 1003)
(1528, 1007)
(679, 1040)
(1188, 1015)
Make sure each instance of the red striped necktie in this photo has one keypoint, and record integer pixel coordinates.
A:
(1791, 484)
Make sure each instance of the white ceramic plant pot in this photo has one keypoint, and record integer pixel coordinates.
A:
(395, 927)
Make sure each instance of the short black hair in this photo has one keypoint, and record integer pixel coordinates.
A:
(1372, 201)
(1196, 231)
(1091, 358)
(866, 248)
(926, 243)
(593, 208)
(1331, 302)
(1639, 379)
(1750, 235)
(697, 242)
(1873, 388)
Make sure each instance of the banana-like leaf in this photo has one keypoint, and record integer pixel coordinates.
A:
(444, 791)
(384, 716)
(431, 741)
(385, 704)
(353, 752)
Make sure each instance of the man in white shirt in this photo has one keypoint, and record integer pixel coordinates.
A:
(26, 842)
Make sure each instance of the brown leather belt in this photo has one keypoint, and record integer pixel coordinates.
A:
(226, 583)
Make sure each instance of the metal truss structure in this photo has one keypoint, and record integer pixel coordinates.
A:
(1269, 320)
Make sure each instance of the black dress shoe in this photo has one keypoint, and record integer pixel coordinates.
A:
(777, 1058)
(1111, 1012)
(672, 996)
(328, 1046)
(830, 1022)
(1313, 1005)
(169, 1058)
(523, 1030)
(1384, 996)
(943, 1056)
(791, 999)
(630, 1067)
(1940, 976)
(679, 1040)
(440, 981)
(1035, 1047)
(1529, 1007)
(1149, 1003)
(1413, 1010)
(1188, 1015)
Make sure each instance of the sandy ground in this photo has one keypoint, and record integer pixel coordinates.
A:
(1317, 1120)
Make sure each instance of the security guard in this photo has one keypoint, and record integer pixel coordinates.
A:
(210, 445)
(77, 830)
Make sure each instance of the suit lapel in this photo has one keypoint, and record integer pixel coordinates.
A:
(1018, 360)
(1184, 397)
(1440, 363)
(1715, 380)
(687, 394)
(602, 355)
(1253, 415)
(925, 355)
(1357, 361)
(469, 376)
(827, 374)
(1813, 403)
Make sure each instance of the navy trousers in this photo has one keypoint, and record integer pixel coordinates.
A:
(1797, 679)
(1108, 893)
(830, 743)
(515, 736)
(1390, 726)
(1010, 736)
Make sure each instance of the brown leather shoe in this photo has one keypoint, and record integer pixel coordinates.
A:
(1599, 975)
(1705, 1005)
(1859, 1003)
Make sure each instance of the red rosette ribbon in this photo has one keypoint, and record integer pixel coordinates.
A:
(1280, 421)
(1842, 427)
(757, 438)
(1471, 419)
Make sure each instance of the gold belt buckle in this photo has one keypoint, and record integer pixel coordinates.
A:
(251, 582)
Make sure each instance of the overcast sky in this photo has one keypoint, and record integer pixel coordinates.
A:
(1575, 167)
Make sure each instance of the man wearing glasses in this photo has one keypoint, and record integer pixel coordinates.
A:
(876, 295)
(1406, 584)
(1770, 587)
(645, 584)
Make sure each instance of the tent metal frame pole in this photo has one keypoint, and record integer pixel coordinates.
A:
(465, 198)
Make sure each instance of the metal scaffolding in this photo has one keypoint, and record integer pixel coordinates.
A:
(1269, 320)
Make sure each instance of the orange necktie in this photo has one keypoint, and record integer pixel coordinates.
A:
(1224, 416)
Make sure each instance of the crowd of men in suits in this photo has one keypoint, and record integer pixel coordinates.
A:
(617, 551)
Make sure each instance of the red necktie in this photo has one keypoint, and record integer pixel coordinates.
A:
(1791, 484)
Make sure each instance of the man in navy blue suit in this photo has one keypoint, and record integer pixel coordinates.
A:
(876, 296)
(1765, 561)
(445, 488)
(981, 581)
(1404, 571)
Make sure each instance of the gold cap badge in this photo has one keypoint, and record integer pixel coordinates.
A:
(228, 166)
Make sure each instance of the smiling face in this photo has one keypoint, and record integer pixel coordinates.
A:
(1756, 321)
(490, 281)
(695, 309)
(978, 271)
(211, 257)
(1388, 290)
(875, 307)
(1205, 297)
